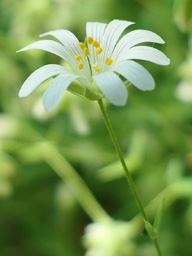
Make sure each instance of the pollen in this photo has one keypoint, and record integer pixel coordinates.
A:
(97, 69)
(89, 40)
(78, 57)
(86, 51)
(96, 44)
(99, 50)
(82, 45)
(81, 66)
(109, 61)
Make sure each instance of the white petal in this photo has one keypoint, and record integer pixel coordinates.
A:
(112, 87)
(64, 36)
(85, 82)
(55, 91)
(69, 40)
(95, 30)
(59, 50)
(71, 50)
(135, 37)
(46, 45)
(112, 33)
(144, 53)
(39, 76)
(137, 75)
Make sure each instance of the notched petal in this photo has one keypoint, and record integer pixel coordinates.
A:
(39, 76)
(144, 53)
(55, 91)
(137, 75)
(46, 45)
(112, 87)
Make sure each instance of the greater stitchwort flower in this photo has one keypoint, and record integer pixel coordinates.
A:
(100, 66)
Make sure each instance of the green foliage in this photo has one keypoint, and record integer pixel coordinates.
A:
(158, 218)
(150, 230)
(39, 214)
(183, 15)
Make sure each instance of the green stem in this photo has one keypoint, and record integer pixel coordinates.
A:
(76, 184)
(121, 158)
(157, 247)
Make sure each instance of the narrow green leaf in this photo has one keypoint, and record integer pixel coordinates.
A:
(158, 217)
(150, 230)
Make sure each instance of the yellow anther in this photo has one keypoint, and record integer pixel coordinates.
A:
(78, 57)
(95, 43)
(89, 40)
(97, 69)
(99, 50)
(86, 51)
(108, 61)
(82, 45)
(81, 66)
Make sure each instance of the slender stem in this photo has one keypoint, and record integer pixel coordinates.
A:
(121, 158)
(157, 247)
(76, 184)
(127, 173)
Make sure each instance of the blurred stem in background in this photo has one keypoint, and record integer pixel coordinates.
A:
(128, 175)
(50, 154)
(76, 184)
(180, 188)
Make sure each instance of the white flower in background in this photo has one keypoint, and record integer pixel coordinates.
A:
(100, 65)
(115, 238)
(184, 91)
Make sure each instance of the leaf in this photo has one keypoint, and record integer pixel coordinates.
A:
(158, 217)
(150, 230)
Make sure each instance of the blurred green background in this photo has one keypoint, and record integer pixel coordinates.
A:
(39, 214)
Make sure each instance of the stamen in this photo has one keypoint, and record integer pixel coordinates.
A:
(82, 45)
(86, 51)
(81, 66)
(78, 57)
(89, 39)
(109, 61)
(97, 69)
(96, 44)
(99, 50)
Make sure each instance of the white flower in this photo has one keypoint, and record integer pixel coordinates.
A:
(184, 91)
(114, 238)
(100, 65)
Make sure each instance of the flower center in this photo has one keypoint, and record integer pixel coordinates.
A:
(97, 51)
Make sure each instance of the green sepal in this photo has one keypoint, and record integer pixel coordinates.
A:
(150, 230)
(158, 217)
(77, 89)
(93, 95)
(82, 91)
